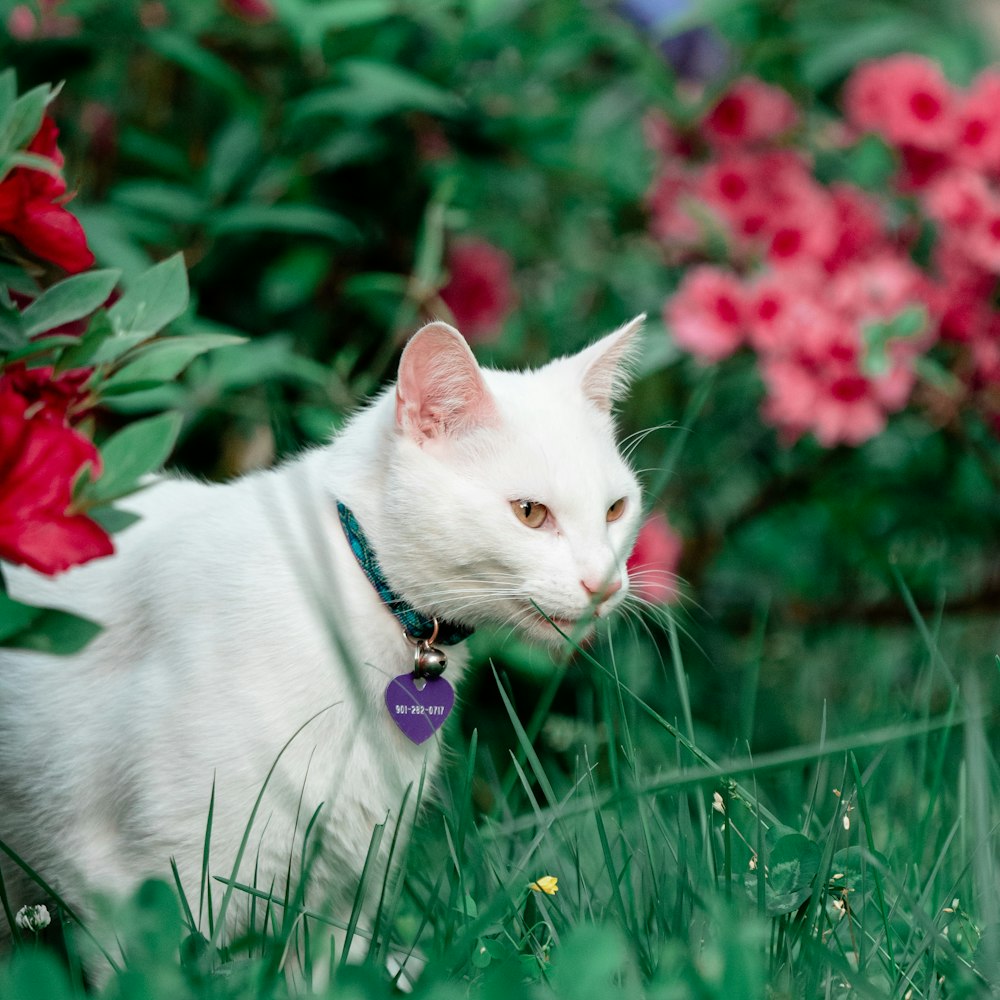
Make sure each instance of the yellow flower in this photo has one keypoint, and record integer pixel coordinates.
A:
(547, 884)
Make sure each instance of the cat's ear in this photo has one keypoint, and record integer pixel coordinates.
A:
(608, 364)
(440, 391)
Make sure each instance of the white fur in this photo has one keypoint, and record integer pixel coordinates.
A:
(234, 614)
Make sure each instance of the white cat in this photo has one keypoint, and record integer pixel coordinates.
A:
(237, 616)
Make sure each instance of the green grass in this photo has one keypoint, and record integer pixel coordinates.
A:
(878, 845)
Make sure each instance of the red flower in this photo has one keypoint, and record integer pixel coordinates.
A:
(750, 111)
(480, 291)
(61, 398)
(39, 461)
(31, 213)
(707, 315)
(652, 566)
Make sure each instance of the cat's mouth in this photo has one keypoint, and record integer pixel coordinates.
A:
(550, 625)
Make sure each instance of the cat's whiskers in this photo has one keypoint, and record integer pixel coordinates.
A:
(632, 441)
(469, 593)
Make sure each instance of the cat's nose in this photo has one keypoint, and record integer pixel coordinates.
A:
(601, 588)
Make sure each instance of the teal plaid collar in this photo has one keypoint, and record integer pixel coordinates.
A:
(416, 625)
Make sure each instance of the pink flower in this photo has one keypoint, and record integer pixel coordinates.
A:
(24, 26)
(802, 224)
(978, 143)
(958, 198)
(964, 309)
(904, 98)
(652, 566)
(21, 22)
(878, 289)
(964, 202)
(668, 201)
(772, 205)
(707, 313)
(984, 239)
(859, 227)
(919, 168)
(819, 385)
(751, 111)
(781, 304)
(480, 289)
(730, 186)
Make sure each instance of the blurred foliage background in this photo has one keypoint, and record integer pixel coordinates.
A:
(320, 164)
(316, 162)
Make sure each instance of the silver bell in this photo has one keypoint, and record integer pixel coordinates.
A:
(429, 661)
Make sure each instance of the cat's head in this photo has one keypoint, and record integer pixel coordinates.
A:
(506, 492)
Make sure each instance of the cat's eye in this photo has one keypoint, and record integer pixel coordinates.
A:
(616, 510)
(529, 512)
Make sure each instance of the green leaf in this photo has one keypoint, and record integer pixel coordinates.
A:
(908, 322)
(833, 50)
(12, 333)
(870, 163)
(134, 452)
(36, 348)
(373, 89)
(16, 279)
(353, 13)
(113, 519)
(113, 347)
(8, 91)
(187, 53)
(23, 119)
(14, 616)
(70, 300)
(30, 160)
(44, 630)
(231, 154)
(792, 867)
(294, 278)
(82, 351)
(305, 220)
(152, 300)
(174, 202)
(261, 360)
(164, 359)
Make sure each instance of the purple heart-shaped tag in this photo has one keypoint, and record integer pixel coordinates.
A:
(419, 707)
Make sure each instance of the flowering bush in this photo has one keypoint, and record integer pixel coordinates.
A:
(831, 286)
(66, 343)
